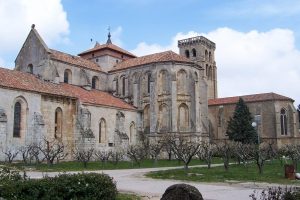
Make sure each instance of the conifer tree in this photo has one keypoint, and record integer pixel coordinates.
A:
(240, 125)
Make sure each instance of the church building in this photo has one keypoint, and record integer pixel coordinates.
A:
(106, 97)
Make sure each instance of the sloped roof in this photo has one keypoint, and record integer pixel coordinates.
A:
(74, 60)
(107, 46)
(166, 56)
(13, 79)
(249, 98)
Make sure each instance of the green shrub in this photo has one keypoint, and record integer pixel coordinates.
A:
(64, 186)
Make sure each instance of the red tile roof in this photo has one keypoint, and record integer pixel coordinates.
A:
(96, 97)
(74, 60)
(249, 98)
(107, 46)
(166, 56)
(18, 80)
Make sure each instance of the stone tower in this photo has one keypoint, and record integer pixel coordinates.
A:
(202, 51)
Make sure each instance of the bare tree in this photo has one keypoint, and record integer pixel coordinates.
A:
(260, 153)
(25, 151)
(103, 156)
(136, 153)
(154, 151)
(206, 152)
(293, 152)
(10, 154)
(243, 152)
(116, 156)
(83, 155)
(184, 147)
(52, 149)
(225, 150)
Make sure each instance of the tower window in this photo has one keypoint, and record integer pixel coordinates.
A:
(187, 53)
(30, 68)
(194, 52)
(95, 82)
(67, 76)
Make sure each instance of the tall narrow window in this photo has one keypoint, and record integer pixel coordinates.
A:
(117, 86)
(194, 52)
(95, 82)
(182, 82)
(187, 53)
(206, 55)
(283, 122)
(102, 131)
(30, 68)
(58, 123)
(148, 82)
(146, 120)
(123, 85)
(209, 56)
(67, 76)
(17, 120)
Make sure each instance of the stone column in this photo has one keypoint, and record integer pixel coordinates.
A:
(174, 103)
(197, 106)
(135, 94)
(3, 132)
(153, 106)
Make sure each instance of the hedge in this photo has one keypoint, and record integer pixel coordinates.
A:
(64, 186)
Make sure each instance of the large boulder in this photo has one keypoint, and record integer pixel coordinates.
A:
(182, 192)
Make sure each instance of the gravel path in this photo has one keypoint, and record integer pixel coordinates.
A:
(133, 181)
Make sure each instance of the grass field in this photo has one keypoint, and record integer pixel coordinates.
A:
(273, 173)
(122, 196)
(77, 166)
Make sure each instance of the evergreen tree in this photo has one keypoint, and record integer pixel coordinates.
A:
(240, 125)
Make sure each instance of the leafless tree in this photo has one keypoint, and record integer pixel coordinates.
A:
(25, 151)
(136, 153)
(206, 152)
(117, 155)
(184, 147)
(243, 152)
(52, 149)
(83, 155)
(103, 155)
(260, 153)
(10, 154)
(225, 150)
(155, 150)
(292, 151)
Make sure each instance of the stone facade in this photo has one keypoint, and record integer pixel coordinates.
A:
(276, 118)
(106, 97)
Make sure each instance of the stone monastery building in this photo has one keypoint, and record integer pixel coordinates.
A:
(107, 97)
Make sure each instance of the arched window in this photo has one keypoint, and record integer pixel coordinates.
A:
(117, 85)
(209, 56)
(283, 122)
(181, 82)
(206, 55)
(132, 132)
(194, 52)
(146, 120)
(58, 123)
(17, 119)
(209, 76)
(148, 82)
(95, 82)
(163, 82)
(164, 122)
(123, 85)
(183, 117)
(68, 76)
(30, 68)
(102, 131)
(187, 53)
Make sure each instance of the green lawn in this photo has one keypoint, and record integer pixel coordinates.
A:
(122, 196)
(77, 166)
(273, 173)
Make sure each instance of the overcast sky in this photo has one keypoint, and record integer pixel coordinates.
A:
(258, 41)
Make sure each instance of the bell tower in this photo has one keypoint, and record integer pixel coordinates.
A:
(202, 51)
